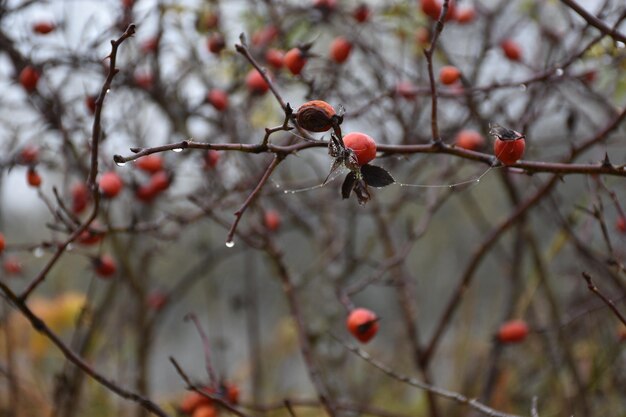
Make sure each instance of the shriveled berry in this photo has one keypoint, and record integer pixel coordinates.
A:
(315, 116)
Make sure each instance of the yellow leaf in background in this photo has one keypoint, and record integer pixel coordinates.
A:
(58, 313)
(264, 113)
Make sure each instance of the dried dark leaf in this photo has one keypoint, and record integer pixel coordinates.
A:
(360, 189)
(376, 176)
(348, 185)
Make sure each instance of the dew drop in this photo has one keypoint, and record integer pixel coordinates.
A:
(478, 180)
(108, 90)
(177, 150)
(559, 72)
(38, 252)
(621, 45)
(120, 163)
(70, 247)
(230, 244)
(523, 87)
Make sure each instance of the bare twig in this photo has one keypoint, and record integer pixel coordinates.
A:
(594, 289)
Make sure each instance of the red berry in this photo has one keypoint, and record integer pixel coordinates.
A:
(295, 60)
(150, 45)
(194, 400)
(340, 49)
(218, 99)
(105, 266)
(363, 146)
(431, 8)
(620, 224)
(509, 151)
(150, 163)
(265, 36)
(422, 37)
(29, 154)
(128, 3)
(88, 237)
(315, 116)
(512, 331)
(449, 74)
(157, 300)
(205, 411)
(110, 184)
(231, 393)
(621, 333)
(80, 197)
(29, 77)
(216, 43)
(144, 80)
(362, 13)
(207, 20)
(146, 193)
(465, 15)
(90, 102)
(43, 28)
(590, 76)
(160, 181)
(3, 242)
(272, 220)
(363, 324)
(406, 89)
(33, 177)
(511, 49)
(274, 57)
(12, 266)
(469, 139)
(256, 83)
(211, 158)
(326, 6)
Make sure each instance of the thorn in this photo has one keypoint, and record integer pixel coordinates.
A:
(606, 162)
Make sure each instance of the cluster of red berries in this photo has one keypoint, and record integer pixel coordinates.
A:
(195, 404)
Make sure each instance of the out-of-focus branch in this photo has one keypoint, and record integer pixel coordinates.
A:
(450, 395)
(594, 21)
(39, 325)
(592, 287)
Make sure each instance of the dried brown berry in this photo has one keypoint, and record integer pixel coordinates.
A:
(315, 116)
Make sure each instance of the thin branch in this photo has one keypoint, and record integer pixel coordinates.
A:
(450, 395)
(594, 21)
(39, 325)
(268, 172)
(592, 287)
